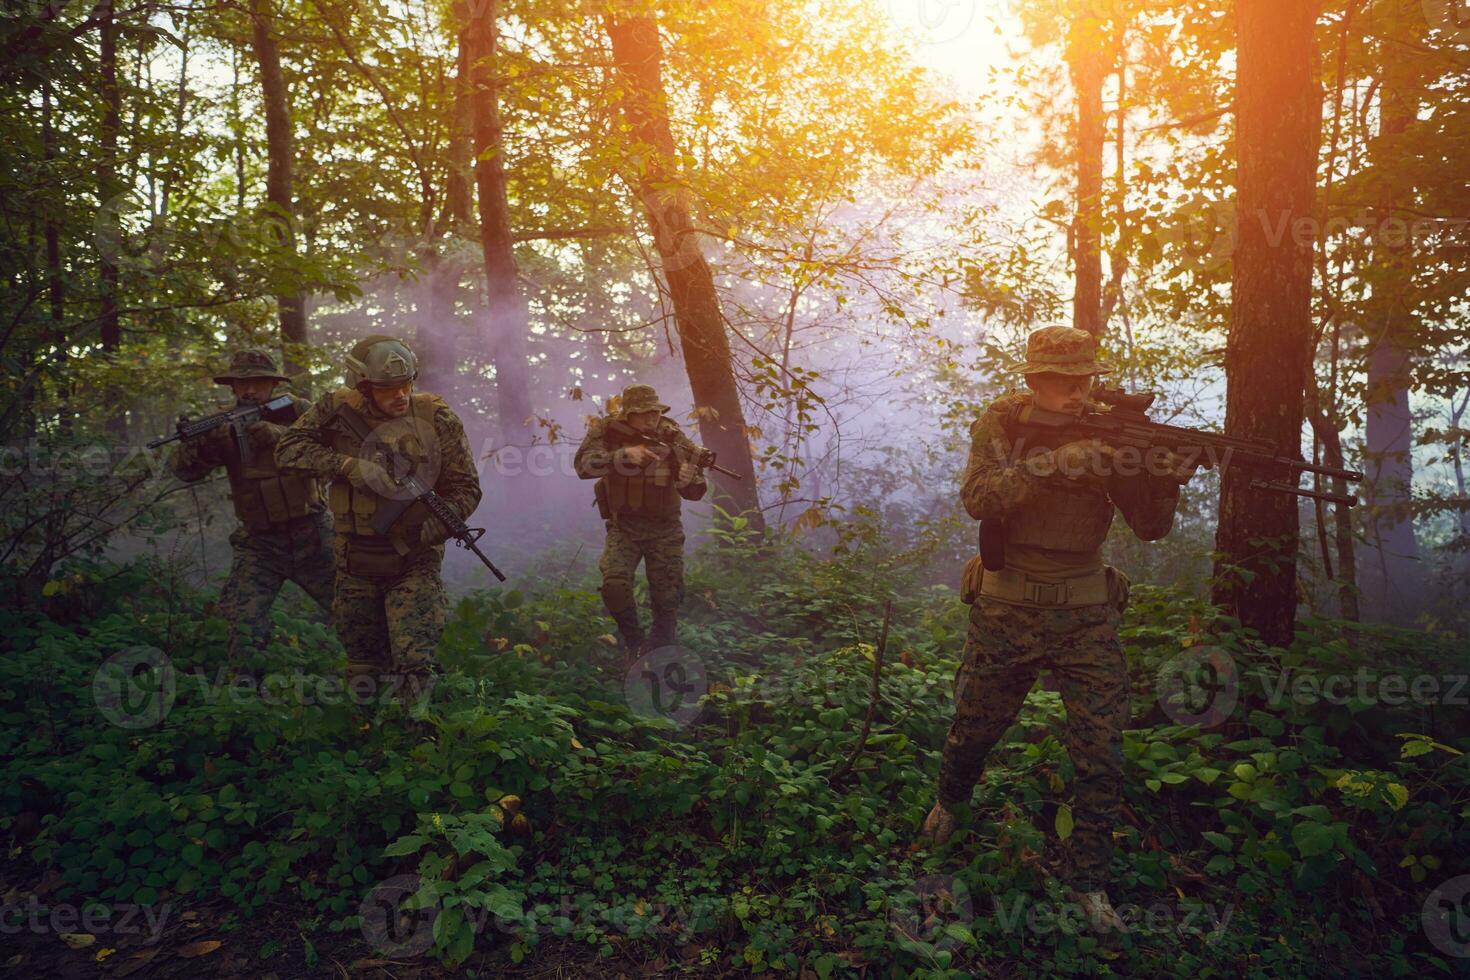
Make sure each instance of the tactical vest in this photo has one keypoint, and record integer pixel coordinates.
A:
(1060, 516)
(264, 496)
(352, 507)
(651, 492)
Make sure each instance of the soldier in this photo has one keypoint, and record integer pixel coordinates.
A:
(639, 483)
(284, 532)
(1054, 605)
(390, 603)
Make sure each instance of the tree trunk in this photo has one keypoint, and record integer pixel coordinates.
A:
(638, 53)
(1268, 356)
(507, 318)
(1087, 62)
(1391, 563)
(55, 284)
(280, 155)
(108, 190)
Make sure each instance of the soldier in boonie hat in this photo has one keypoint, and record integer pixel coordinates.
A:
(248, 364)
(1061, 350)
(639, 398)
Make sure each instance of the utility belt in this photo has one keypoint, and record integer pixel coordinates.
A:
(1022, 589)
(376, 557)
(307, 525)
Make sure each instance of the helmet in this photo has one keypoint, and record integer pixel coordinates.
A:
(381, 361)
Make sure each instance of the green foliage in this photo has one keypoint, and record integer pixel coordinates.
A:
(543, 808)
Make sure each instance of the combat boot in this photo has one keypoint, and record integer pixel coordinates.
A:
(631, 632)
(664, 630)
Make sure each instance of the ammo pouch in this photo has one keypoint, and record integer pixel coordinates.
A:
(1119, 588)
(1022, 589)
(599, 495)
(970, 580)
(373, 558)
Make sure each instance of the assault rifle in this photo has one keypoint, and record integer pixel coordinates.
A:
(701, 457)
(239, 418)
(1121, 420)
(401, 471)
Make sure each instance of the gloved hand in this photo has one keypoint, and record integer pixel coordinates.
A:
(1083, 460)
(364, 474)
(433, 532)
(263, 434)
(688, 475)
(1179, 467)
(638, 455)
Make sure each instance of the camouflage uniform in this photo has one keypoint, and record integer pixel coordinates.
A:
(390, 602)
(641, 510)
(1055, 606)
(285, 533)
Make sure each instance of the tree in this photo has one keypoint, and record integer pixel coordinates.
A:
(638, 54)
(507, 320)
(280, 156)
(1268, 355)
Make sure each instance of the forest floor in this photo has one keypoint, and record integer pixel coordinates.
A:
(716, 811)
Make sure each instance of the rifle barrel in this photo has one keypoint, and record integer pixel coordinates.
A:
(1348, 500)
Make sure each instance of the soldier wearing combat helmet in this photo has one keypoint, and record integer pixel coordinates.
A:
(284, 532)
(643, 465)
(390, 602)
(1053, 605)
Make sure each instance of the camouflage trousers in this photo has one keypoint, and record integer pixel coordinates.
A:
(263, 561)
(390, 623)
(658, 542)
(1006, 647)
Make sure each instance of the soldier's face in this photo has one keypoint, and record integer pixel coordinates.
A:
(1060, 392)
(252, 391)
(644, 421)
(392, 402)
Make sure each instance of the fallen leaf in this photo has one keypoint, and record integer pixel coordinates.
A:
(200, 948)
(135, 962)
(103, 954)
(609, 639)
(78, 940)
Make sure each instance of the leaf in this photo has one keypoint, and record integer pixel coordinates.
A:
(78, 940)
(1064, 821)
(1312, 839)
(202, 948)
(1221, 841)
(103, 953)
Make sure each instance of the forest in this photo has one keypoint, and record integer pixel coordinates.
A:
(841, 244)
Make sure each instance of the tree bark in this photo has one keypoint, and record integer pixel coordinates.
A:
(638, 54)
(507, 318)
(280, 157)
(108, 191)
(1087, 62)
(1268, 355)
